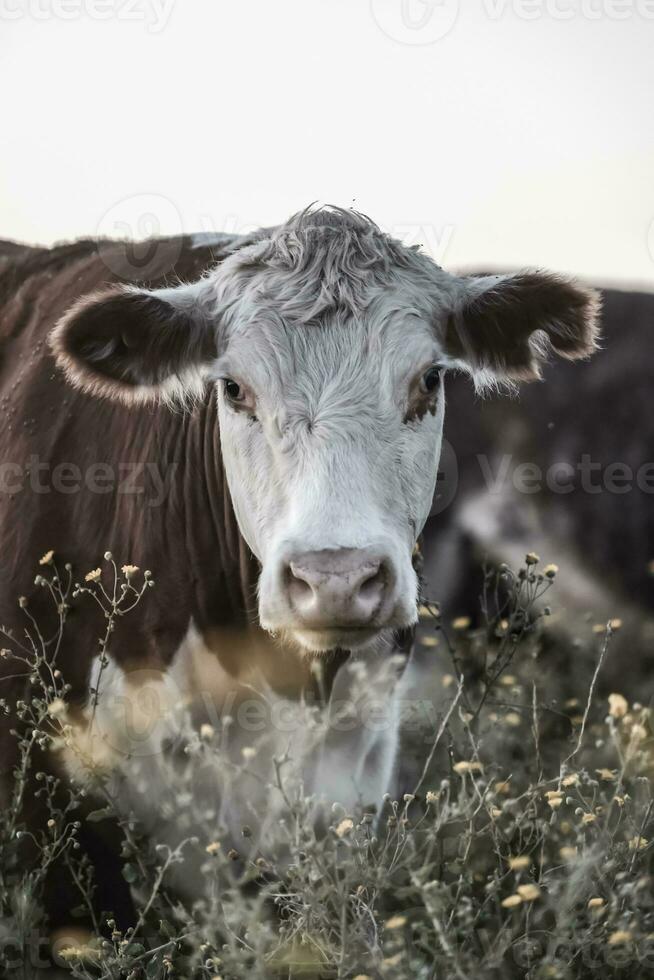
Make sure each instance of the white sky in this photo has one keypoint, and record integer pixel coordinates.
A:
(523, 136)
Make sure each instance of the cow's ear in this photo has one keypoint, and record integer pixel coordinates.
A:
(504, 327)
(134, 345)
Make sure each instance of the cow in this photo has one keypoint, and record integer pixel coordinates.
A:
(256, 422)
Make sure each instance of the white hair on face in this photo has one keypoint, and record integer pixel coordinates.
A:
(328, 323)
(327, 261)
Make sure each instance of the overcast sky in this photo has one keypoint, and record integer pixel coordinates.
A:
(499, 133)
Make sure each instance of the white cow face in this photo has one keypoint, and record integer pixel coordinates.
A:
(331, 439)
(328, 343)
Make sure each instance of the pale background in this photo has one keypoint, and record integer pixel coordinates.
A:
(497, 133)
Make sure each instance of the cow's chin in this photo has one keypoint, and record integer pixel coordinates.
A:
(323, 641)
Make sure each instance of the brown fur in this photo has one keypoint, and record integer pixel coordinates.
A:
(191, 542)
(509, 327)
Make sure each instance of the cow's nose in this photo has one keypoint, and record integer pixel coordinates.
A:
(344, 587)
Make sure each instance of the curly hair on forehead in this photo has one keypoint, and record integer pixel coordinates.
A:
(325, 259)
(331, 216)
(337, 237)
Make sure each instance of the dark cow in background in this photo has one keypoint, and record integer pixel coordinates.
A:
(260, 426)
(566, 470)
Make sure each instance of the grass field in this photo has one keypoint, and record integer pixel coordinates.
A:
(518, 844)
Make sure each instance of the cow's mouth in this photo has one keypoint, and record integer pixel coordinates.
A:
(337, 638)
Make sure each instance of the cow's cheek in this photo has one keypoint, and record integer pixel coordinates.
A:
(420, 467)
(243, 478)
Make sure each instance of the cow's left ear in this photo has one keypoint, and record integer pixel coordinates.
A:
(505, 326)
(134, 345)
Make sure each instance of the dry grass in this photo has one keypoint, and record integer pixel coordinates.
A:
(520, 849)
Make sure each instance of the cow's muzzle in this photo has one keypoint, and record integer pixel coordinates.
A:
(336, 597)
(345, 588)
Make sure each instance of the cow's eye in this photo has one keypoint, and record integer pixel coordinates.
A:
(233, 390)
(431, 379)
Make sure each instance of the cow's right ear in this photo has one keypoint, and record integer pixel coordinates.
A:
(135, 346)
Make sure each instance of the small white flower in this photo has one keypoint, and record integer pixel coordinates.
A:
(520, 862)
(344, 827)
(465, 766)
(57, 708)
(618, 706)
(620, 936)
(512, 901)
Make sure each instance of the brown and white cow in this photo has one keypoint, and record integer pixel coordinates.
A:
(277, 403)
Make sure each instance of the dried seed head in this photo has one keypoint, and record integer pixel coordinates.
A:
(618, 706)
(520, 862)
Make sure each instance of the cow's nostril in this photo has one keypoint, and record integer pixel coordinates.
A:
(373, 586)
(299, 585)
